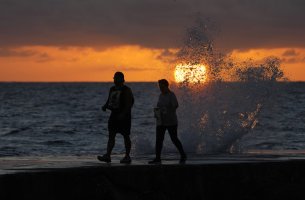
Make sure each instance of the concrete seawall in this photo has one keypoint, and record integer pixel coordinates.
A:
(253, 180)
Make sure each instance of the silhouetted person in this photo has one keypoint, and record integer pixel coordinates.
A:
(120, 102)
(166, 120)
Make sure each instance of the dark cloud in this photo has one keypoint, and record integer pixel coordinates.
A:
(44, 57)
(167, 56)
(290, 52)
(166, 53)
(7, 52)
(136, 69)
(158, 23)
(290, 60)
(291, 56)
(124, 68)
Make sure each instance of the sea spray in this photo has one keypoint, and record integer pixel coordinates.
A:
(216, 114)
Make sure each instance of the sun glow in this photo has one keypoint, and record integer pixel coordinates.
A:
(187, 73)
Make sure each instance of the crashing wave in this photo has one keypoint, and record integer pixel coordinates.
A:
(216, 114)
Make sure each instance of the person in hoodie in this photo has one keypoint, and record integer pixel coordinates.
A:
(166, 116)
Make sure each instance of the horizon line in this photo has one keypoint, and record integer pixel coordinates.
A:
(74, 81)
(296, 81)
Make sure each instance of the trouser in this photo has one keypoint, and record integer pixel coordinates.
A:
(172, 130)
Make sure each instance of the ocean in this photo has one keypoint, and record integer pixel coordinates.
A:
(65, 119)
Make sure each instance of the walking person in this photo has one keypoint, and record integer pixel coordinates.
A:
(120, 101)
(166, 116)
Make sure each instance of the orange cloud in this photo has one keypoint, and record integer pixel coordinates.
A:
(49, 63)
(293, 59)
(81, 64)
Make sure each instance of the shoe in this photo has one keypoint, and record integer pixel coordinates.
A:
(155, 161)
(126, 160)
(104, 158)
(182, 159)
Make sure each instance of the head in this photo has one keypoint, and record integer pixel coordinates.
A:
(118, 78)
(163, 85)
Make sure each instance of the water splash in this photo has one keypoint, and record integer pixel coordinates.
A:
(218, 113)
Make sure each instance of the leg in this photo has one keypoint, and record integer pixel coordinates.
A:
(111, 142)
(126, 159)
(160, 132)
(127, 144)
(174, 137)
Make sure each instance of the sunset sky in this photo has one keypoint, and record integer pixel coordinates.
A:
(88, 40)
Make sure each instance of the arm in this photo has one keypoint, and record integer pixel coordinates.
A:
(105, 106)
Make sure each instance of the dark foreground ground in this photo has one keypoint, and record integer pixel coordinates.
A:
(254, 179)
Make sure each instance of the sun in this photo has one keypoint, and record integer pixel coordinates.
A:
(187, 73)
